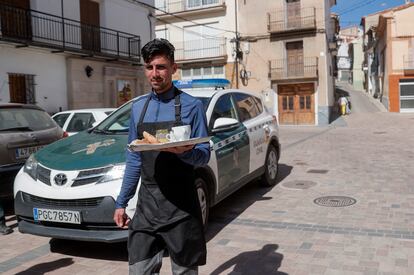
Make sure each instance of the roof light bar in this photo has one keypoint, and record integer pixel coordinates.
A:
(202, 83)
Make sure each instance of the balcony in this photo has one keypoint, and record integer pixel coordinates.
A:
(33, 28)
(281, 22)
(165, 8)
(293, 69)
(200, 50)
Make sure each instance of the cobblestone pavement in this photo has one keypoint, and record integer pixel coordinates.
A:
(280, 230)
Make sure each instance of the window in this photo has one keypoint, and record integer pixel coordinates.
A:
(407, 95)
(203, 72)
(61, 119)
(287, 103)
(161, 33)
(22, 88)
(80, 122)
(247, 106)
(259, 104)
(224, 108)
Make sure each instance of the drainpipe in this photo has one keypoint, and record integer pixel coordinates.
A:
(150, 24)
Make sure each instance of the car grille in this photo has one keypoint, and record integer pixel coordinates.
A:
(90, 202)
(90, 176)
(43, 174)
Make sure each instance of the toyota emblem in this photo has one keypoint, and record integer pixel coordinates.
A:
(60, 179)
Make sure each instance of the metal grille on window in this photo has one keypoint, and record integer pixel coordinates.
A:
(30, 89)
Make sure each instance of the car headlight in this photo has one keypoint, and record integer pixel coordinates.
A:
(115, 173)
(30, 167)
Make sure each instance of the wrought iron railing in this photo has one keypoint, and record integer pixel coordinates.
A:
(172, 6)
(32, 27)
(293, 68)
(408, 62)
(199, 49)
(281, 21)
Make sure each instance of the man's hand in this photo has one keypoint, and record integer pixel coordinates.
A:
(121, 218)
(178, 149)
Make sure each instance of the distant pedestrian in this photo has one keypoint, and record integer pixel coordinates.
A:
(343, 103)
(4, 229)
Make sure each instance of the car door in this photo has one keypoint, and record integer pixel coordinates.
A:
(231, 147)
(253, 118)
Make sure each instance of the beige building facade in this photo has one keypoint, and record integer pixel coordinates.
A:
(276, 48)
(389, 53)
(72, 54)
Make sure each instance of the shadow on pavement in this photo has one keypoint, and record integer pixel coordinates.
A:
(264, 261)
(94, 250)
(231, 207)
(44, 268)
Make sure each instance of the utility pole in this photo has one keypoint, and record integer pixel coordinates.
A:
(237, 45)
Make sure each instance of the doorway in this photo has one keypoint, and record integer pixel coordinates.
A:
(90, 31)
(296, 104)
(16, 19)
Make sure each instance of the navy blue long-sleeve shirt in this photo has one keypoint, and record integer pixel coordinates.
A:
(161, 108)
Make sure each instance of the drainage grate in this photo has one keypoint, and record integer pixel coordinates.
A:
(299, 184)
(317, 171)
(335, 201)
(379, 133)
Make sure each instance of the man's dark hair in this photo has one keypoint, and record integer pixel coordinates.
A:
(158, 46)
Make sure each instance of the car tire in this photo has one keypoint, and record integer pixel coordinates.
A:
(202, 193)
(269, 178)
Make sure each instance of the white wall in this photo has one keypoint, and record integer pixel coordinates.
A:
(49, 70)
(137, 21)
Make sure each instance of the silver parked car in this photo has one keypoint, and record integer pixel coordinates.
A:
(24, 129)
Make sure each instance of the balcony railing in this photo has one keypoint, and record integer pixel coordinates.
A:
(36, 28)
(282, 21)
(409, 63)
(296, 68)
(173, 6)
(200, 49)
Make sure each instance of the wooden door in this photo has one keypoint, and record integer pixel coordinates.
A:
(296, 104)
(294, 54)
(17, 88)
(16, 19)
(293, 14)
(89, 17)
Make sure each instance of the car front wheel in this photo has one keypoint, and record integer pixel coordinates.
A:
(201, 188)
(269, 177)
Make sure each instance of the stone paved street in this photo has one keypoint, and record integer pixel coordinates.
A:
(368, 157)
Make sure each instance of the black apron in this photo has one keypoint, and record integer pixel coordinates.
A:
(168, 213)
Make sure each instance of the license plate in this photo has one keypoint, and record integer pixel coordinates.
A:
(24, 153)
(52, 215)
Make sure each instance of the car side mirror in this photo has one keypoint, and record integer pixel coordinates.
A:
(224, 124)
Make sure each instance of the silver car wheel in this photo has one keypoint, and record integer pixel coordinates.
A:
(272, 165)
(202, 198)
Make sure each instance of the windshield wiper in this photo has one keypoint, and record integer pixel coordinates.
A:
(99, 131)
(19, 128)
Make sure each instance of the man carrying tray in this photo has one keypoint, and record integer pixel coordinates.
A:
(168, 214)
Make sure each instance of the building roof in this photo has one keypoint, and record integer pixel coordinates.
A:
(397, 8)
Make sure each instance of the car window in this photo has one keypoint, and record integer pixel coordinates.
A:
(205, 101)
(108, 113)
(247, 106)
(80, 122)
(25, 119)
(224, 108)
(259, 104)
(61, 119)
(118, 121)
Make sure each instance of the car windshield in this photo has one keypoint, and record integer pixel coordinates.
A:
(118, 121)
(21, 119)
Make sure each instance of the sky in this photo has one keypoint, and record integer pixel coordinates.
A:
(351, 11)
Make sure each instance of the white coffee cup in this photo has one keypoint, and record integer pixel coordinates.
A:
(179, 133)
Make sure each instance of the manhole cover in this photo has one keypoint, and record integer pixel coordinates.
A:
(299, 184)
(318, 171)
(335, 201)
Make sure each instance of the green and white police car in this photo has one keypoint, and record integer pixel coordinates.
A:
(68, 189)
